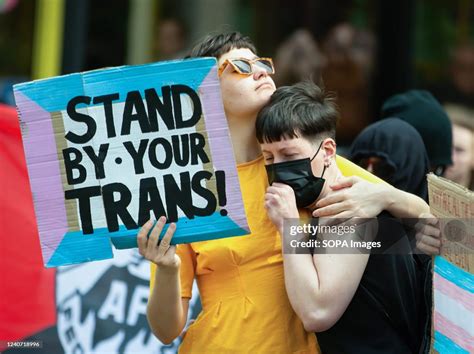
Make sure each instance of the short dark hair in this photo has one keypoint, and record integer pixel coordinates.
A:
(300, 110)
(218, 44)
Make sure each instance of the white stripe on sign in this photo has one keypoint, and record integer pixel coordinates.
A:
(454, 312)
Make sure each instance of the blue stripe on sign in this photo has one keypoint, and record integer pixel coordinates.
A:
(53, 94)
(454, 274)
(444, 345)
(77, 247)
(187, 230)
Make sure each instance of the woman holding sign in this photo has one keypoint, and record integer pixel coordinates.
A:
(240, 279)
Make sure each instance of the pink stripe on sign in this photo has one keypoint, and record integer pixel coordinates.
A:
(219, 136)
(461, 296)
(44, 173)
(453, 332)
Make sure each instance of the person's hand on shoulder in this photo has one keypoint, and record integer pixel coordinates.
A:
(352, 197)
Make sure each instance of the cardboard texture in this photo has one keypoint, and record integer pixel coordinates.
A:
(108, 149)
(453, 273)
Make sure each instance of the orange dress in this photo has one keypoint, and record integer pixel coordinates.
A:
(241, 284)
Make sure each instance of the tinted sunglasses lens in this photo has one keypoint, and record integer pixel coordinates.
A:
(243, 66)
(265, 64)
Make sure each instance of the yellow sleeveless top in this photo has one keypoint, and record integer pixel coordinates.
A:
(241, 283)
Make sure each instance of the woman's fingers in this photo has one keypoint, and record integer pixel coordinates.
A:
(155, 234)
(432, 231)
(331, 210)
(342, 183)
(330, 200)
(428, 227)
(429, 250)
(165, 242)
(142, 238)
(428, 240)
(427, 218)
(161, 253)
(428, 236)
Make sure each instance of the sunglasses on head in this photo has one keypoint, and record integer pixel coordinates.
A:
(244, 66)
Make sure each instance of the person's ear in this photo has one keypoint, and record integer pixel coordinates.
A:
(329, 147)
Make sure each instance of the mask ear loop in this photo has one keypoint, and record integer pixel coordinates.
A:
(319, 148)
(324, 168)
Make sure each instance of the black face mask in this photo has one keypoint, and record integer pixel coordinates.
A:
(299, 176)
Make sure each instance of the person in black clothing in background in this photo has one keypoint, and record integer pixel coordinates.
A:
(422, 111)
(394, 151)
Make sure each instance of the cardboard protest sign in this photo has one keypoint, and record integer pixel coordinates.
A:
(453, 308)
(108, 149)
(453, 274)
(454, 206)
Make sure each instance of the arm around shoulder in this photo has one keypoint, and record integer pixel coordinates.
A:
(402, 204)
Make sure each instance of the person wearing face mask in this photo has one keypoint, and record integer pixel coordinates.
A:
(359, 302)
(299, 176)
(245, 308)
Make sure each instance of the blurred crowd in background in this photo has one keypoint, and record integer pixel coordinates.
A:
(362, 50)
